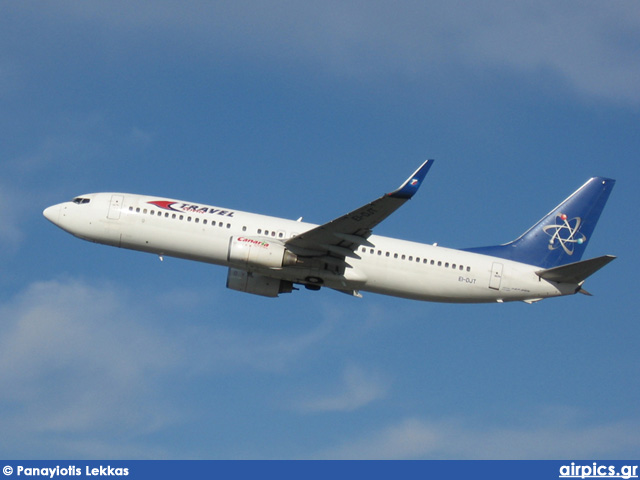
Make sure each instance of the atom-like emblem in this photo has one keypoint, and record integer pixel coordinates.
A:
(566, 233)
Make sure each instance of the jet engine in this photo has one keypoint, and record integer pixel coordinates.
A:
(250, 282)
(246, 252)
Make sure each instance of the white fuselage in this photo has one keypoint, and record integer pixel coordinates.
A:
(387, 266)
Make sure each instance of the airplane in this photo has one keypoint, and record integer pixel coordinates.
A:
(269, 256)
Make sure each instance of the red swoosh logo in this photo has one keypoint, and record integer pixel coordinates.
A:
(163, 204)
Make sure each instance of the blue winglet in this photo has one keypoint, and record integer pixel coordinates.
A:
(411, 185)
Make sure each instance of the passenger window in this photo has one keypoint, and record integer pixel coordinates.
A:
(468, 269)
(395, 255)
(166, 215)
(197, 220)
(204, 222)
(228, 225)
(144, 211)
(439, 263)
(138, 210)
(446, 265)
(173, 216)
(181, 217)
(244, 228)
(387, 254)
(403, 257)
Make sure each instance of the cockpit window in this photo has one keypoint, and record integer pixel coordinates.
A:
(81, 200)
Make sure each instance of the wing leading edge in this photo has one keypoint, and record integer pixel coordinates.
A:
(341, 237)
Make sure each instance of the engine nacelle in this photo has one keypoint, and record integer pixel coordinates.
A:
(249, 282)
(259, 252)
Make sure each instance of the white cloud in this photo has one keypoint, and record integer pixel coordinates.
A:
(72, 143)
(216, 350)
(87, 364)
(359, 388)
(417, 438)
(590, 45)
(140, 137)
(10, 233)
(72, 360)
(408, 439)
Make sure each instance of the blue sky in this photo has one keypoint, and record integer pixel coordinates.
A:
(312, 109)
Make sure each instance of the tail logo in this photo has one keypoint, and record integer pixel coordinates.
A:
(565, 233)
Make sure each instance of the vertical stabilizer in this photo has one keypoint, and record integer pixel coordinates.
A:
(563, 234)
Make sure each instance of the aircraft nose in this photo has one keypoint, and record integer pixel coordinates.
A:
(52, 213)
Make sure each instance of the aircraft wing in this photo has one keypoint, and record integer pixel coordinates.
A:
(341, 237)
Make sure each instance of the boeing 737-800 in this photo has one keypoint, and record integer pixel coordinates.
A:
(268, 255)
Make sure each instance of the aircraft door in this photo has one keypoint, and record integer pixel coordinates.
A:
(115, 206)
(496, 276)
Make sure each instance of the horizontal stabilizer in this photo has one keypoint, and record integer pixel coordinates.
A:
(575, 272)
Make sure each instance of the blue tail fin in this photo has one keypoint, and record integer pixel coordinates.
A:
(563, 234)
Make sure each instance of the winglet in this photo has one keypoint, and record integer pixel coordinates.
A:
(411, 185)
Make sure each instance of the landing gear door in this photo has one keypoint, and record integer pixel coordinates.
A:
(496, 276)
(115, 206)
